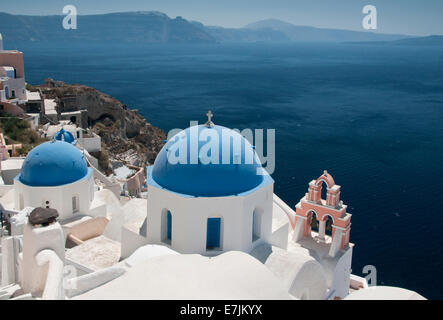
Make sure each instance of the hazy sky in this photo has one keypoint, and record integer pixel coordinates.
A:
(415, 17)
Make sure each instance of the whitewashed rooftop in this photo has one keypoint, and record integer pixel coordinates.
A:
(233, 275)
(50, 105)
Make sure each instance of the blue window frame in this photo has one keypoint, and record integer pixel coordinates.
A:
(169, 225)
(213, 233)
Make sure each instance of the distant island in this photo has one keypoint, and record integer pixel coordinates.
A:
(157, 27)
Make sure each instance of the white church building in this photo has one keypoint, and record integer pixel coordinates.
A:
(208, 194)
(209, 208)
(55, 175)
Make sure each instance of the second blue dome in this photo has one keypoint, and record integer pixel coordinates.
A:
(53, 163)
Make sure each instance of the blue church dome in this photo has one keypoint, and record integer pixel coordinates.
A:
(53, 163)
(64, 135)
(182, 164)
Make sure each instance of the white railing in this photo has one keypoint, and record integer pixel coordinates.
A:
(54, 277)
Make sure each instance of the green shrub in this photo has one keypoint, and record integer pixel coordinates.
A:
(18, 131)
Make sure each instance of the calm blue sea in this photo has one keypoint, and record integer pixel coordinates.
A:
(372, 115)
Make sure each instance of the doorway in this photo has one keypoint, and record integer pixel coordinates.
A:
(213, 233)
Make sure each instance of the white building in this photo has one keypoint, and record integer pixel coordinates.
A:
(71, 133)
(50, 110)
(12, 78)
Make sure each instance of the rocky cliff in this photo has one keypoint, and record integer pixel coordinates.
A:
(157, 27)
(137, 27)
(125, 134)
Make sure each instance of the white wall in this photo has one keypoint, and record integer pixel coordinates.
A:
(260, 201)
(92, 144)
(34, 120)
(131, 241)
(59, 197)
(342, 274)
(5, 188)
(190, 215)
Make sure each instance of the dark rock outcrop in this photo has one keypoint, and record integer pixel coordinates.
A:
(125, 133)
(139, 27)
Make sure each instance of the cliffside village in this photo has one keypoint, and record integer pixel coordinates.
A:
(55, 118)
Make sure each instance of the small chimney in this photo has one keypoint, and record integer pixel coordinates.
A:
(43, 217)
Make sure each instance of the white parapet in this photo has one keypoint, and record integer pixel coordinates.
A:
(82, 284)
(35, 240)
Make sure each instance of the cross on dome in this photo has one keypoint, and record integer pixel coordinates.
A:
(54, 137)
(209, 123)
(64, 135)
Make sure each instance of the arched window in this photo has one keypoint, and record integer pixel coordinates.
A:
(256, 224)
(169, 226)
(75, 204)
(166, 226)
(328, 227)
(325, 227)
(314, 221)
(324, 191)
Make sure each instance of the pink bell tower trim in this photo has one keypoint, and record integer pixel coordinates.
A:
(312, 209)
